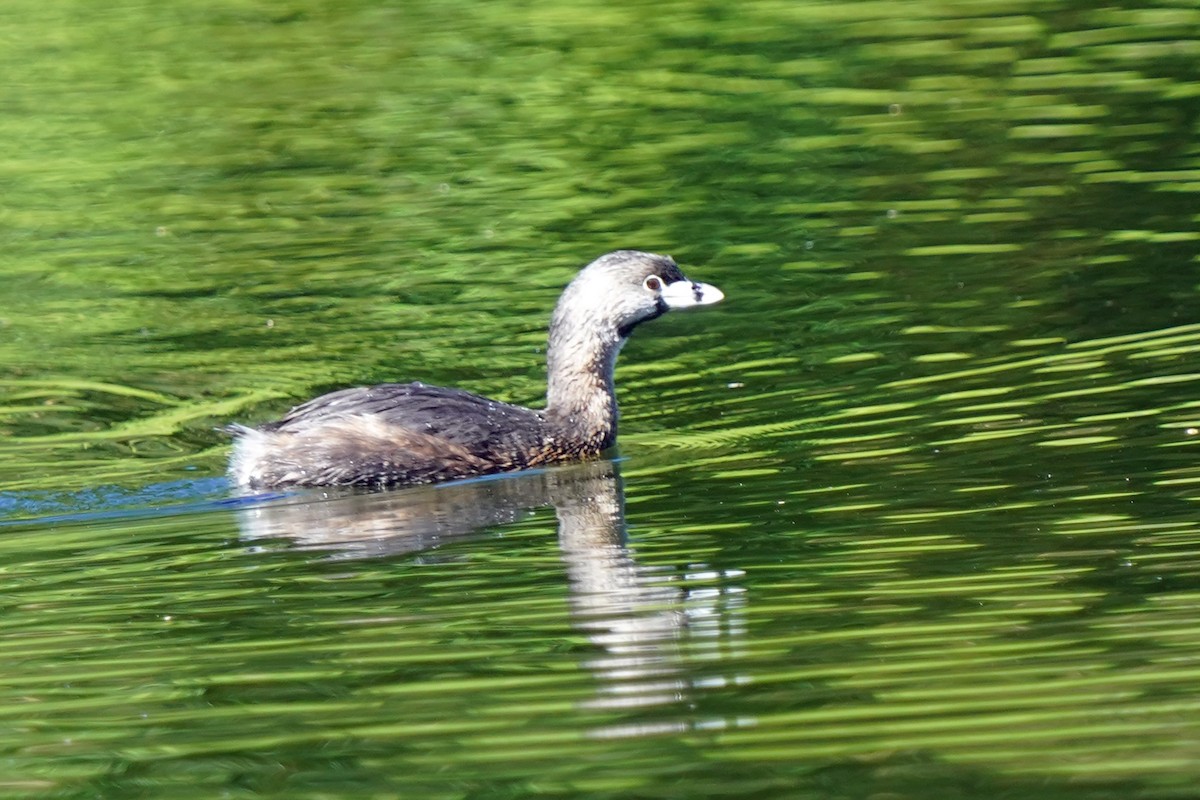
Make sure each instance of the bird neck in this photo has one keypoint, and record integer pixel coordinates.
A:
(581, 402)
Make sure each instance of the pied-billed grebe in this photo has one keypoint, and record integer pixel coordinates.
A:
(410, 433)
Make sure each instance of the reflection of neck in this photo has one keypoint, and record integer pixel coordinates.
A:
(633, 615)
(580, 398)
(590, 507)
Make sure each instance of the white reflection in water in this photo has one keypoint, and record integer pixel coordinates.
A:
(662, 634)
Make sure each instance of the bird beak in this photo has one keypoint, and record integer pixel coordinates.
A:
(685, 294)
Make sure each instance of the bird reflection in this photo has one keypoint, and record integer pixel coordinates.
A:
(645, 621)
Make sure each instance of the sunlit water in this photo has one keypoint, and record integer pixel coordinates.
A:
(911, 514)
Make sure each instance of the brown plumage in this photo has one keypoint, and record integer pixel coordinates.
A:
(411, 433)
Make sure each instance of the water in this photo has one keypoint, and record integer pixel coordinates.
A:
(912, 513)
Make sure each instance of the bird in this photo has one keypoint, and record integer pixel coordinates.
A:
(397, 434)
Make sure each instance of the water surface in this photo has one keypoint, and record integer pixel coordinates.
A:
(912, 513)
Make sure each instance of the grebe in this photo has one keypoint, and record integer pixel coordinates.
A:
(410, 433)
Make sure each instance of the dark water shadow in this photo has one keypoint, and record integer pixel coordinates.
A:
(649, 624)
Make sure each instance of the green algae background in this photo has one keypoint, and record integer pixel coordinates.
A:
(913, 513)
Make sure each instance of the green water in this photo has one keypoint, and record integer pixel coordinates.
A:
(913, 513)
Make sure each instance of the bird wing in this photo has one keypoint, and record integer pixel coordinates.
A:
(463, 419)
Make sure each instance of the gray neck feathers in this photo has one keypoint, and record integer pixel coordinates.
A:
(580, 358)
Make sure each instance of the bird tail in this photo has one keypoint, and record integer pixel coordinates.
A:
(236, 430)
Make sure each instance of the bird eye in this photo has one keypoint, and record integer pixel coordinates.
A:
(653, 283)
